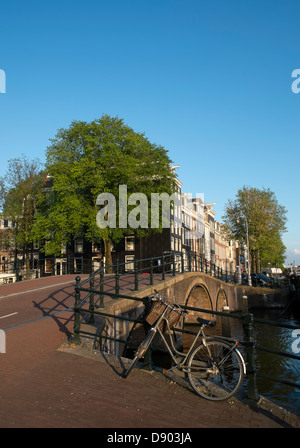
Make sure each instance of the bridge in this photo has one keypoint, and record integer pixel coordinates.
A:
(110, 309)
(188, 284)
(47, 382)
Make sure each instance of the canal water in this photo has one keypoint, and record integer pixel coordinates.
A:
(281, 339)
(276, 366)
(276, 338)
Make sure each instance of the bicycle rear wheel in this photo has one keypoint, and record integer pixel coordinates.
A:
(143, 347)
(216, 371)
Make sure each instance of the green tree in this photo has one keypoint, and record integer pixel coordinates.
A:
(19, 189)
(86, 160)
(265, 218)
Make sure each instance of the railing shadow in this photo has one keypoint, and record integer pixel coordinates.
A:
(56, 305)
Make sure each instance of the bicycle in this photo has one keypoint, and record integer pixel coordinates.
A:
(215, 368)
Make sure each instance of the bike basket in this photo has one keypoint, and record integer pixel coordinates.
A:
(157, 308)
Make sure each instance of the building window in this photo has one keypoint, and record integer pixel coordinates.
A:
(129, 262)
(129, 243)
(96, 247)
(172, 243)
(48, 266)
(78, 246)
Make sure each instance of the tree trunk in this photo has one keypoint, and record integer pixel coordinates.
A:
(253, 261)
(108, 257)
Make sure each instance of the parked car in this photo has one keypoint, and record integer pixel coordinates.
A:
(261, 280)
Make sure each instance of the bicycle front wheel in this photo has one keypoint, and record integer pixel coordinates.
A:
(215, 371)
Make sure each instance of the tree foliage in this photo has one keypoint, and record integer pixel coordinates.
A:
(266, 221)
(87, 159)
(19, 189)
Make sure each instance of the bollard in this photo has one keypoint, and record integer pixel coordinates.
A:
(226, 330)
(245, 305)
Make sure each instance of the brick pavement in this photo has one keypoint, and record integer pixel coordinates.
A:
(45, 383)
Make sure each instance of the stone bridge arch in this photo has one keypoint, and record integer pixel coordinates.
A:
(199, 297)
(222, 299)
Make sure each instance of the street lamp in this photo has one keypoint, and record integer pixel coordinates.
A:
(247, 237)
(249, 268)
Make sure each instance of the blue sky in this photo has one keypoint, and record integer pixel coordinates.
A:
(209, 81)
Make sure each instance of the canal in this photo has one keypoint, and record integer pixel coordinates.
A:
(275, 338)
(273, 365)
(281, 339)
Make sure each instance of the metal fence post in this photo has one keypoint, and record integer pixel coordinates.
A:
(92, 303)
(151, 271)
(117, 277)
(174, 265)
(136, 276)
(101, 281)
(17, 271)
(76, 338)
(148, 361)
(189, 262)
(163, 267)
(248, 321)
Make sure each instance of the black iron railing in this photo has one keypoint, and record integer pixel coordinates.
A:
(100, 284)
(135, 272)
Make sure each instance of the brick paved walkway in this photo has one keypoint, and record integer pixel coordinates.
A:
(45, 384)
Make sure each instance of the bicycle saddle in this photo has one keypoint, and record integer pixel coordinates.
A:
(210, 323)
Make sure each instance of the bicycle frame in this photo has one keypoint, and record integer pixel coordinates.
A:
(232, 343)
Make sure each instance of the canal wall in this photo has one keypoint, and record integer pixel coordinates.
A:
(267, 298)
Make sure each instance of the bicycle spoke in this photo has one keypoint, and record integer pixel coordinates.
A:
(215, 372)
